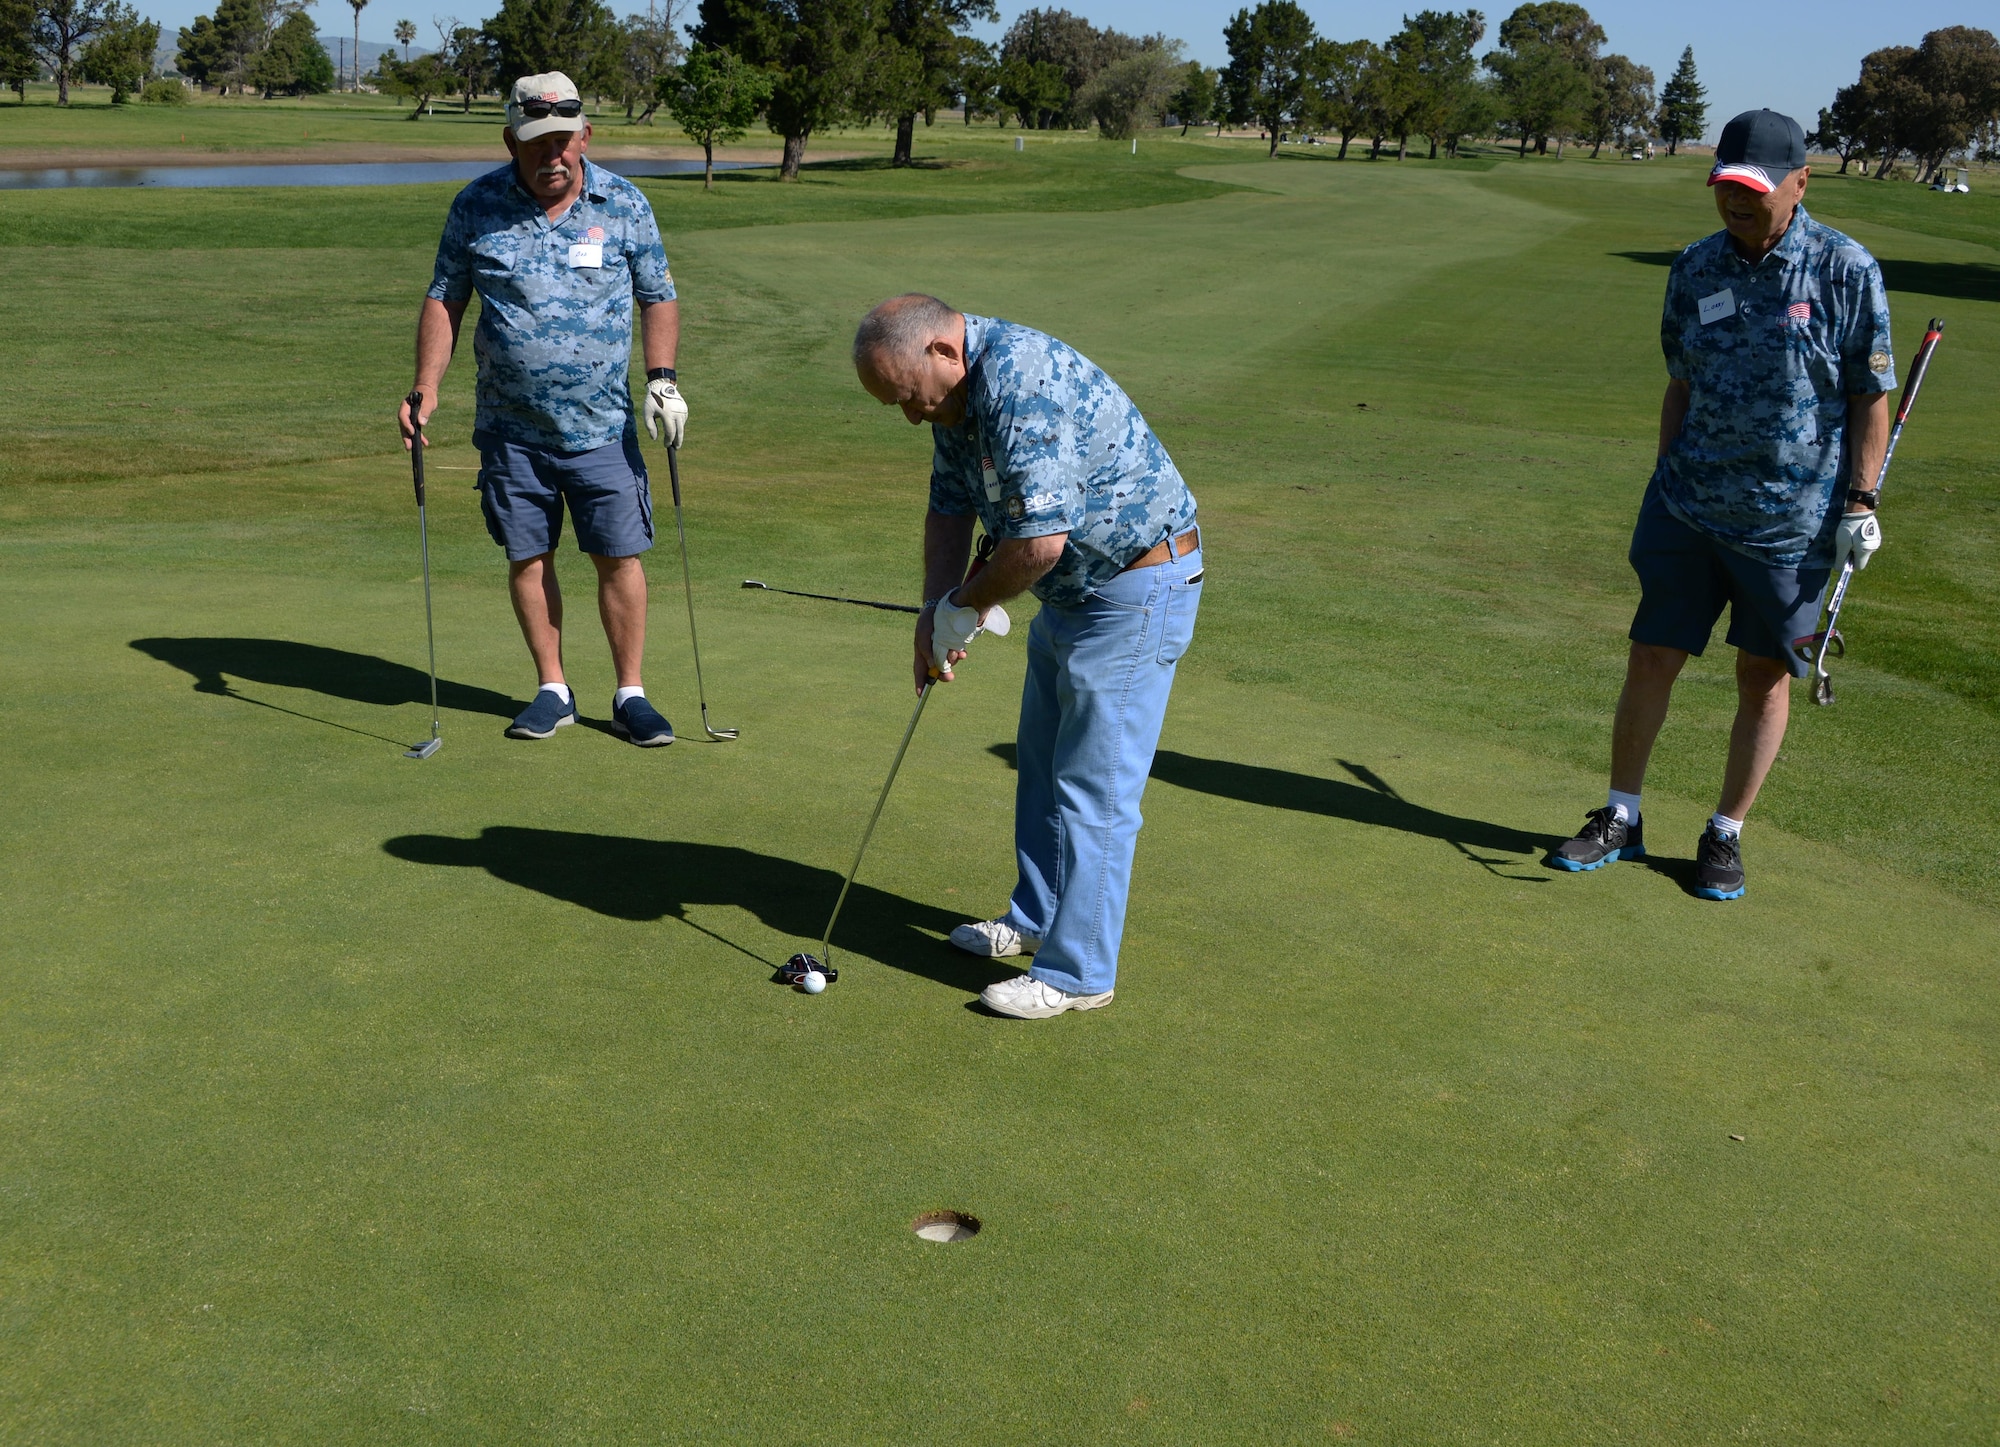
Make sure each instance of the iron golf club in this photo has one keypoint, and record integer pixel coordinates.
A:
(830, 598)
(1817, 646)
(435, 742)
(687, 582)
(796, 967)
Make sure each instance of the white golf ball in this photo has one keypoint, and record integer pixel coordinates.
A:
(812, 982)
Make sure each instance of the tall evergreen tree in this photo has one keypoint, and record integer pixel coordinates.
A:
(922, 49)
(580, 38)
(1433, 55)
(1194, 98)
(1269, 52)
(18, 64)
(1683, 112)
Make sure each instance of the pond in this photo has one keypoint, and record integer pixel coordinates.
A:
(374, 173)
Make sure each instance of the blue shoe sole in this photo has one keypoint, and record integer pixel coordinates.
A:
(1629, 852)
(1736, 893)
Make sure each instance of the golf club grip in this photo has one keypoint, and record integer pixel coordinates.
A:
(1933, 334)
(674, 471)
(416, 402)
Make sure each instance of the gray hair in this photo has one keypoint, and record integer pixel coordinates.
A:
(901, 327)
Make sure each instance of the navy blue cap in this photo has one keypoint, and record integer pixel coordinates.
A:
(1759, 149)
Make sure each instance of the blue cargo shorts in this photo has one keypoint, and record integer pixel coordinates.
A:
(1686, 578)
(522, 491)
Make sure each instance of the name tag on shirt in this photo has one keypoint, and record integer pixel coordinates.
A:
(588, 255)
(1713, 308)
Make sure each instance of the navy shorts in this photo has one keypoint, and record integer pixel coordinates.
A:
(522, 491)
(1686, 578)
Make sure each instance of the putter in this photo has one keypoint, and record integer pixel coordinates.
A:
(830, 598)
(687, 582)
(796, 967)
(435, 742)
(1816, 646)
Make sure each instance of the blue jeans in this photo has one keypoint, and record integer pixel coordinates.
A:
(1098, 678)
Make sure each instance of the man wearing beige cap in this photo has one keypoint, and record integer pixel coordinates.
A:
(559, 251)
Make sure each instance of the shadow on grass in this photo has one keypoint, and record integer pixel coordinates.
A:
(650, 879)
(361, 677)
(1370, 800)
(1953, 280)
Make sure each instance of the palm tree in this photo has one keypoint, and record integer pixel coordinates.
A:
(406, 31)
(358, 5)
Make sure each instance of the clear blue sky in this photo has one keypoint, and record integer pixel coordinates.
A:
(1788, 57)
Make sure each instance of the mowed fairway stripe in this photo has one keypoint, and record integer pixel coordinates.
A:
(343, 1097)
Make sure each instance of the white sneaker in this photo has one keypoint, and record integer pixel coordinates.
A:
(1027, 998)
(993, 938)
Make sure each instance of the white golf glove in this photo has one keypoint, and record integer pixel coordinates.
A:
(1860, 534)
(953, 627)
(665, 411)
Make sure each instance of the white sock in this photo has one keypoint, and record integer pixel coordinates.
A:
(618, 699)
(1722, 824)
(560, 690)
(1627, 806)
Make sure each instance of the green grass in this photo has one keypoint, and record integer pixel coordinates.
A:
(347, 1099)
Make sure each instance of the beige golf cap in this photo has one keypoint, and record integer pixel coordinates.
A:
(544, 103)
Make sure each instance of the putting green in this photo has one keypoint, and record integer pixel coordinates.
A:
(348, 1098)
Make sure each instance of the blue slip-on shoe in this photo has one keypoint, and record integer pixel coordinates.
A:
(1718, 866)
(640, 722)
(1605, 837)
(543, 717)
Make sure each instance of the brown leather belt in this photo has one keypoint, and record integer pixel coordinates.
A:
(1171, 549)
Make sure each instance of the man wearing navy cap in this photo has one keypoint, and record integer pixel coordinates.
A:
(1772, 431)
(560, 254)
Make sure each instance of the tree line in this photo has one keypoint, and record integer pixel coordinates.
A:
(1932, 101)
(1548, 80)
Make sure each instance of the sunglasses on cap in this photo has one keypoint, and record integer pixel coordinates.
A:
(536, 110)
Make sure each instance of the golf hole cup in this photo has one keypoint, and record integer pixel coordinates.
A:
(945, 1226)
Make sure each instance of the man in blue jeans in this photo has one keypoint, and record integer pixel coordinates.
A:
(1089, 514)
(558, 251)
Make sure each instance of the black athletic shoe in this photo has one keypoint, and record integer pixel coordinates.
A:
(1605, 837)
(1718, 866)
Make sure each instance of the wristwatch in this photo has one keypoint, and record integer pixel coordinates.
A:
(661, 374)
(1869, 499)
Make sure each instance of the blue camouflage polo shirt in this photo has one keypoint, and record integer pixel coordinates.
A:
(555, 304)
(1771, 352)
(1050, 444)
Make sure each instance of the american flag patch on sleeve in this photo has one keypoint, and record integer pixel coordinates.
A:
(1799, 311)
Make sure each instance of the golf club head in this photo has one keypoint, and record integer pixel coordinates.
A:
(719, 735)
(1822, 690)
(423, 750)
(798, 966)
(753, 583)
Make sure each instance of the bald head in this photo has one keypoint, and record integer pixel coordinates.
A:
(900, 328)
(910, 353)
